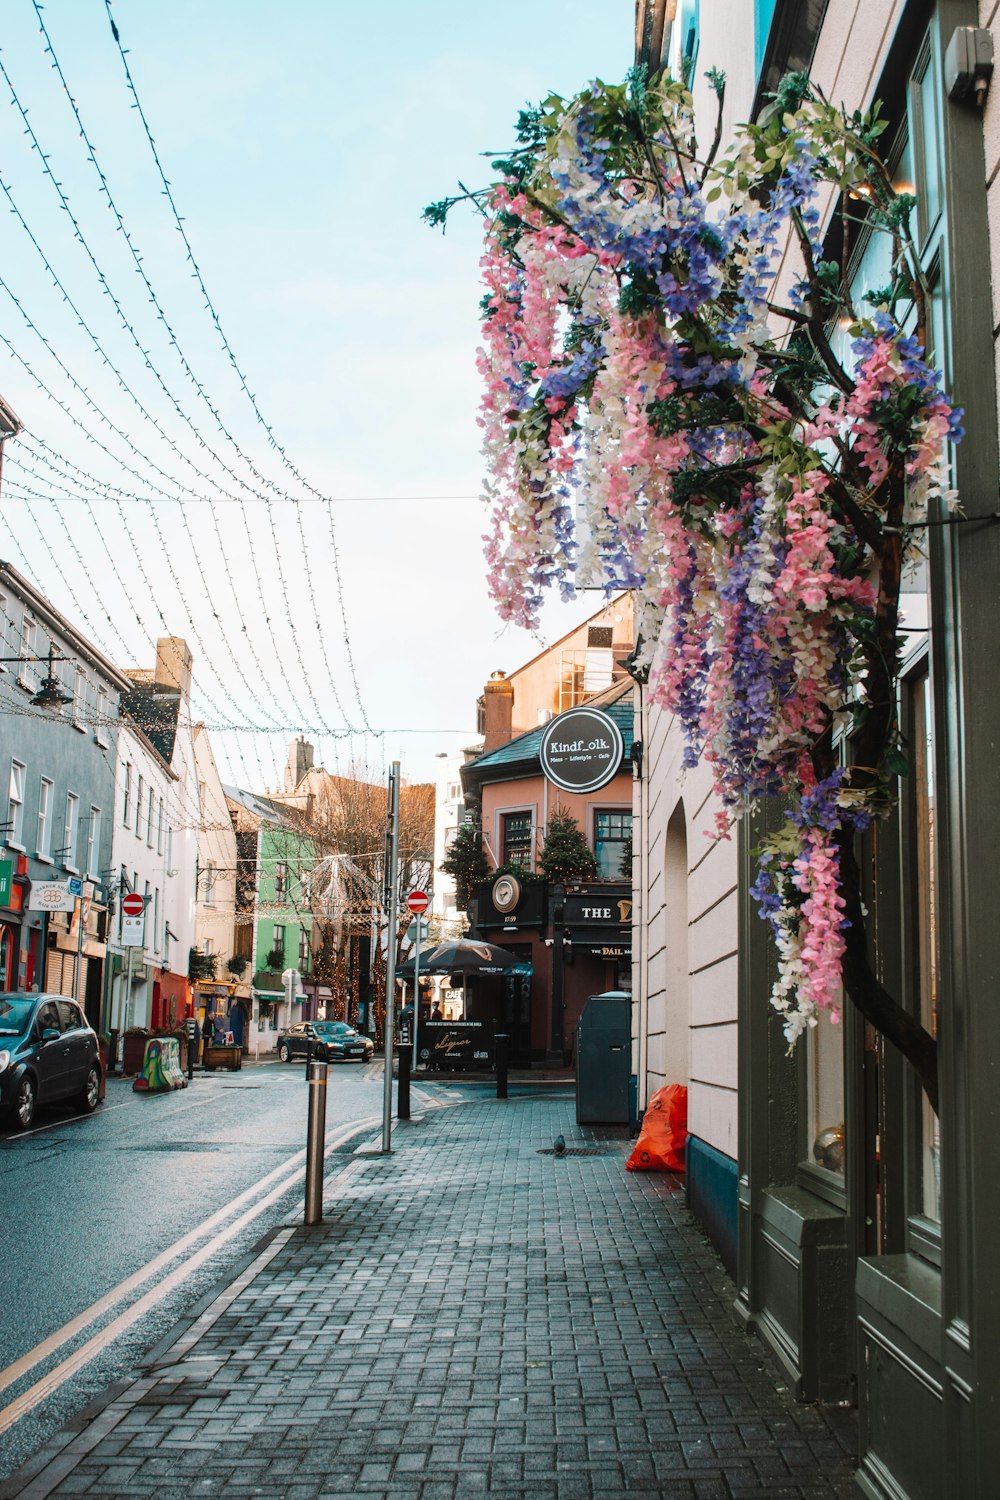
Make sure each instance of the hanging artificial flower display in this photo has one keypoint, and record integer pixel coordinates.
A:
(664, 410)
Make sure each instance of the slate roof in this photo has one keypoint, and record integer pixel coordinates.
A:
(262, 807)
(523, 752)
(154, 710)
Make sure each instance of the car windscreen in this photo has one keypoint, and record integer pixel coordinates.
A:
(15, 1014)
(335, 1028)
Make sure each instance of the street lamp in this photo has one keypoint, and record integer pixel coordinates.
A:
(50, 692)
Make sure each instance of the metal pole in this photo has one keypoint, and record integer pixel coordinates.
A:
(315, 1138)
(78, 956)
(416, 992)
(392, 909)
(501, 1061)
(403, 1087)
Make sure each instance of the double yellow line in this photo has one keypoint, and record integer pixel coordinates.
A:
(246, 1205)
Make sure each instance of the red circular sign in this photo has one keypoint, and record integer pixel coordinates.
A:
(418, 901)
(133, 906)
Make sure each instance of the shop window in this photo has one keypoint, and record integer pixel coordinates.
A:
(612, 840)
(928, 1152)
(517, 837)
(825, 1098)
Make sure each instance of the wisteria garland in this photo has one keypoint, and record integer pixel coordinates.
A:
(633, 381)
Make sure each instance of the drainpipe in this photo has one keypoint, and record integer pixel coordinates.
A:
(640, 927)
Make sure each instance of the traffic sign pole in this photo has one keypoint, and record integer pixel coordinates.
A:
(418, 902)
(416, 991)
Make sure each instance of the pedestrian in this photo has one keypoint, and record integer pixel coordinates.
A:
(208, 1032)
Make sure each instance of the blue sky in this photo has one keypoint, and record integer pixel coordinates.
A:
(301, 142)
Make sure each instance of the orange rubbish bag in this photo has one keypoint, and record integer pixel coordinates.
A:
(663, 1137)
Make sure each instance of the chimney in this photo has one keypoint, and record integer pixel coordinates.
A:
(300, 760)
(173, 665)
(499, 712)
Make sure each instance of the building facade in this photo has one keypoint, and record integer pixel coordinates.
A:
(859, 1225)
(573, 938)
(59, 773)
(276, 862)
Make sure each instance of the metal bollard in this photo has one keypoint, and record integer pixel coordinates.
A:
(501, 1058)
(403, 1087)
(309, 1056)
(315, 1138)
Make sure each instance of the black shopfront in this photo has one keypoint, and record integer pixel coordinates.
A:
(578, 941)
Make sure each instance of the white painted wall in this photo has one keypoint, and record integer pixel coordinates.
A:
(216, 900)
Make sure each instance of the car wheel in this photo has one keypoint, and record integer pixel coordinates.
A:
(87, 1101)
(284, 1053)
(24, 1103)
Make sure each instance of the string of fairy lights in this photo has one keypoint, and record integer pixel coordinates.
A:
(186, 557)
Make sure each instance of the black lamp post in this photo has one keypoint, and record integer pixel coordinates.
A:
(50, 693)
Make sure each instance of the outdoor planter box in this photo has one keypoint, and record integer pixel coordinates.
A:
(224, 1057)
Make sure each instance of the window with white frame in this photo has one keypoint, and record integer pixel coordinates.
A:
(103, 715)
(127, 795)
(281, 882)
(28, 674)
(159, 826)
(303, 950)
(156, 919)
(69, 831)
(149, 819)
(79, 705)
(210, 884)
(94, 841)
(43, 833)
(15, 804)
(140, 783)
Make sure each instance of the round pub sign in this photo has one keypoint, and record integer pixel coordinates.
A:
(581, 750)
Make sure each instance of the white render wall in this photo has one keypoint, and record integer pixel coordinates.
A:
(685, 960)
(216, 901)
(162, 857)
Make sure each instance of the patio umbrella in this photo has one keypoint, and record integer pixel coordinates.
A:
(461, 956)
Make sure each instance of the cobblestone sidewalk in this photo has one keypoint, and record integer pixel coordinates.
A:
(473, 1318)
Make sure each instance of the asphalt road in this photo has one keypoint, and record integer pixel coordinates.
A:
(87, 1203)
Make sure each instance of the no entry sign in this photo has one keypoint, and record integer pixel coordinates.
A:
(418, 901)
(133, 906)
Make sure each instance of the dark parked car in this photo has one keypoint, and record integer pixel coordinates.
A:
(48, 1052)
(330, 1041)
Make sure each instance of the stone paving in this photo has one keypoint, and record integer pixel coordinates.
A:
(473, 1318)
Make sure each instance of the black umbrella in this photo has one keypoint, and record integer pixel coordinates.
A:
(461, 956)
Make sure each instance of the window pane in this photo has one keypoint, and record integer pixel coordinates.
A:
(926, 898)
(612, 832)
(517, 839)
(825, 1063)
